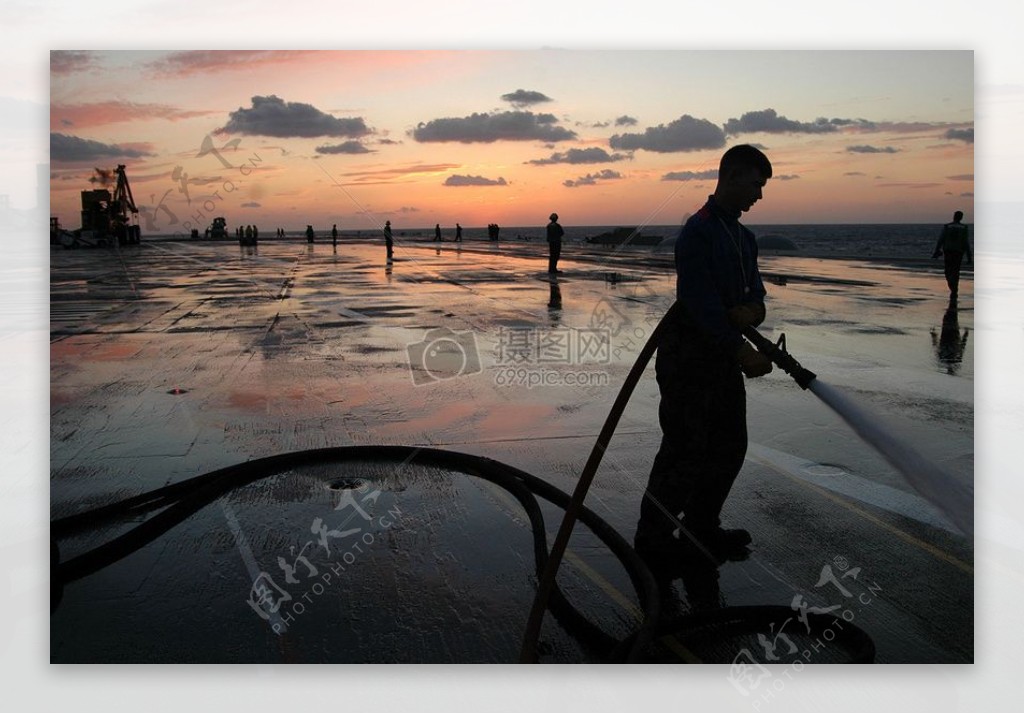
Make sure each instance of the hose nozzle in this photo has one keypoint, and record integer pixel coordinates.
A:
(776, 352)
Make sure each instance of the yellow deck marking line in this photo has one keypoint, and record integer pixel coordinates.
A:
(927, 547)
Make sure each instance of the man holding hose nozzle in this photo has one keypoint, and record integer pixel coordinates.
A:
(700, 365)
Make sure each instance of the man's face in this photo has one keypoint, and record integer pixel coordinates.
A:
(743, 189)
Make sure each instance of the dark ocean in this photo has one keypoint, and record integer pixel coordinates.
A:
(895, 240)
(899, 240)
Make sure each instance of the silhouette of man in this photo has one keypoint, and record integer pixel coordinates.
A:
(458, 233)
(334, 235)
(389, 241)
(310, 234)
(701, 361)
(954, 244)
(437, 232)
(555, 234)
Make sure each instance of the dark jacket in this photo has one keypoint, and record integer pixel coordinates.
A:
(555, 232)
(716, 269)
(954, 238)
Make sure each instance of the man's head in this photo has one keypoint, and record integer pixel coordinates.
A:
(957, 216)
(553, 217)
(742, 173)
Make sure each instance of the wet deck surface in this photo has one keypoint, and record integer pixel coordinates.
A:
(172, 360)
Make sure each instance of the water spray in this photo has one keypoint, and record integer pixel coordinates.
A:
(953, 497)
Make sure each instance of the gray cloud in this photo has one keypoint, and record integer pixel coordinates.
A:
(591, 179)
(486, 128)
(865, 149)
(272, 116)
(592, 155)
(68, 61)
(524, 98)
(768, 121)
(459, 180)
(73, 148)
(966, 135)
(191, 62)
(684, 134)
(625, 120)
(347, 147)
(690, 175)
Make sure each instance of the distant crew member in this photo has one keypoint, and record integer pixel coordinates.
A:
(389, 241)
(555, 234)
(954, 244)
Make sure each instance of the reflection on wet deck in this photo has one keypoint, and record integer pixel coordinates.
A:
(183, 358)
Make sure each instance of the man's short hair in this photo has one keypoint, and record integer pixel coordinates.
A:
(958, 215)
(744, 156)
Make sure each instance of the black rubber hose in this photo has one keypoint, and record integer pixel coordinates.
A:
(528, 651)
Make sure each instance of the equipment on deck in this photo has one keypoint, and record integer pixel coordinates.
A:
(218, 230)
(107, 217)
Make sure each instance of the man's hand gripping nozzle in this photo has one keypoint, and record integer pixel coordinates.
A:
(777, 353)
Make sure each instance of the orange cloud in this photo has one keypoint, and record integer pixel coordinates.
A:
(184, 64)
(400, 172)
(64, 116)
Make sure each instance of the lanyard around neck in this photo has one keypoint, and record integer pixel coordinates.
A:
(737, 243)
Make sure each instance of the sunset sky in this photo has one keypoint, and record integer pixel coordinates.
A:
(289, 138)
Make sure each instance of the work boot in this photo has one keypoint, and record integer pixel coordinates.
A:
(700, 580)
(670, 558)
(733, 537)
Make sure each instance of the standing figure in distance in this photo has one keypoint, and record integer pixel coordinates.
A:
(437, 232)
(388, 239)
(954, 244)
(334, 235)
(701, 361)
(458, 233)
(555, 234)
